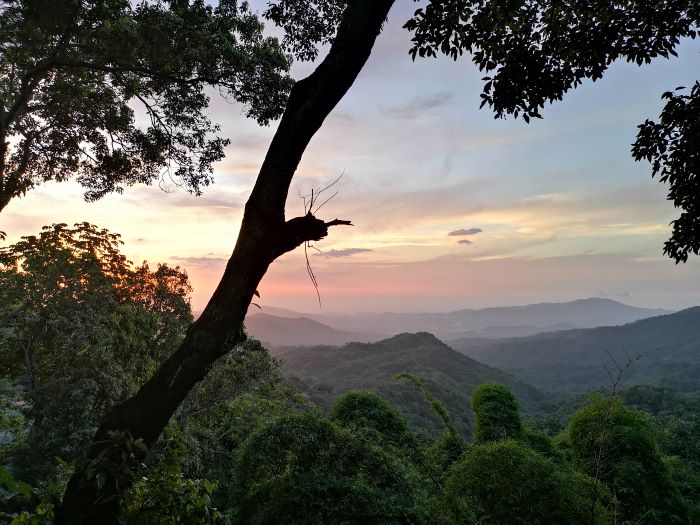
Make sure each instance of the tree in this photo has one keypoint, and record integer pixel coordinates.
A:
(505, 482)
(497, 413)
(618, 445)
(244, 391)
(371, 415)
(163, 496)
(80, 330)
(534, 51)
(302, 468)
(72, 72)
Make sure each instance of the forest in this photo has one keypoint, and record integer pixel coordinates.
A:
(83, 328)
(119, 405)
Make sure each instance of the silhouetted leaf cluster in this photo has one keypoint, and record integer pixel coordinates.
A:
(672, 145)
(73, 73)
(306, 24)
(537, 50)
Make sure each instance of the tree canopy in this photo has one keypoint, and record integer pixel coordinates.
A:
(305, 469)
(497, 413)
(618, 445)
(70, 304)
(113, 92)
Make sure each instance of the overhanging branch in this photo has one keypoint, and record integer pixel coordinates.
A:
(303, 229)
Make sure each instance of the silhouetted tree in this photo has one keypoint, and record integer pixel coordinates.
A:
(533, 52)
(72, 72)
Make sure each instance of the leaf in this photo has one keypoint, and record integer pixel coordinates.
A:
(8, 481)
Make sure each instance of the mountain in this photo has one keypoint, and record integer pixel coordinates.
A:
(497, 322)
(665, 351)
(325, 372)
(277, 331)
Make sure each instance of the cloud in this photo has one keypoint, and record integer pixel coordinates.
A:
(419, 106)
(347, 252)
(461, 232)
(465, 241)
(198, 261)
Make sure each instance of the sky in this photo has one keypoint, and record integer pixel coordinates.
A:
(452, 209)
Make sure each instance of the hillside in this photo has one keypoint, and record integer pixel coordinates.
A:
(326, 371)
(279, 331)
(573, 360)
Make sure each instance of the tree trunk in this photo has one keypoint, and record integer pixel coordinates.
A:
(4, 195)
(264, 236)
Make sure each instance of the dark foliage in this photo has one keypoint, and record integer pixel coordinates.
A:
(618, 446)
(672, 145)
(505, 482)
(71, 73)
(306, 24)
(303, 469)
(535, 51)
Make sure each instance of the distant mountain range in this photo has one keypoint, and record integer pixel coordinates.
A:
(665, 350)
(325, 372)
(279, 326)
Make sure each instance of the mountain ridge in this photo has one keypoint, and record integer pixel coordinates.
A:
(665, 350)
(493, 322)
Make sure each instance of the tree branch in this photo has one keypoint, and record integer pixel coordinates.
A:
(339, 222)
(147, 72)
(299, 230)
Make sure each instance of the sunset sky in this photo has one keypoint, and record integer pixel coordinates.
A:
(550, 211)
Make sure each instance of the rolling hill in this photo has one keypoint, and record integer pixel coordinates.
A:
(325, 372)
(666, 351)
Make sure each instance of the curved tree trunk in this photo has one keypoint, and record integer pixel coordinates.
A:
(92, 495)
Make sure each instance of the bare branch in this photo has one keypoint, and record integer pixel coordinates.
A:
(339, 222)
(311, 273)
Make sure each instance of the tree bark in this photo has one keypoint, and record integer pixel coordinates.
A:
(264, 236)
(4, 197)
